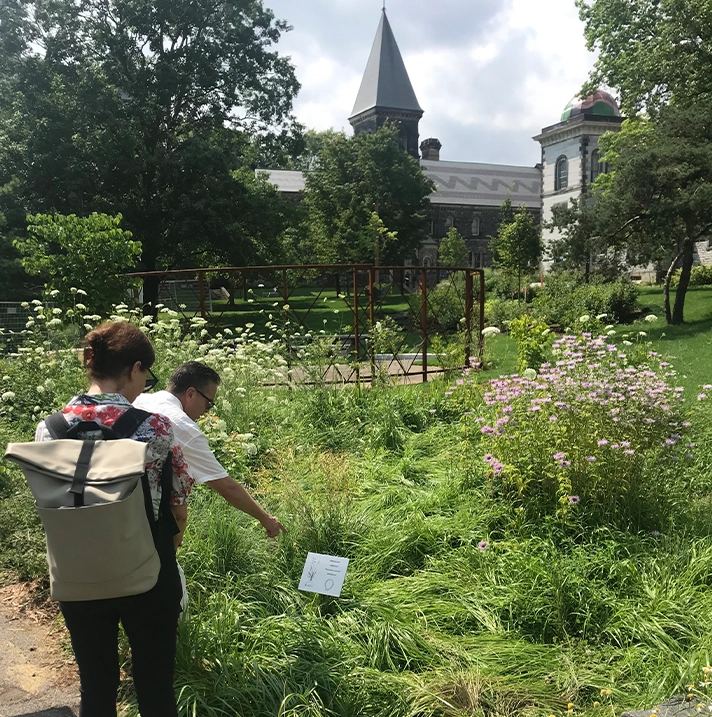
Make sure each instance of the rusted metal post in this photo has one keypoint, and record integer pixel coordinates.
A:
(371, 318)
(201, 289)
(482, 315)
(424, 322)
(468, 316)
(356, 322)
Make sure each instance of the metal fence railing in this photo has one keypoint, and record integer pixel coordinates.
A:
(378, 318)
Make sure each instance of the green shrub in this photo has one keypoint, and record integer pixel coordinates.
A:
(586, 438)
(565, 297)
(499, 312)
(446, 303)
(699, 276)
(533, 339)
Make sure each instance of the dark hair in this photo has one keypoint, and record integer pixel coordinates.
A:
(116, 346)
(192, 374)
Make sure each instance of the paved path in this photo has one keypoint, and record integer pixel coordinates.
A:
(36, 678)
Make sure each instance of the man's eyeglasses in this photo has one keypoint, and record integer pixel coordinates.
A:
(210, 401)
(151, 381)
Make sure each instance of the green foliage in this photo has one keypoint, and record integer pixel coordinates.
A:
(354, 177)
(558, 446)
(699, 276)
(517, 247)
(533, 338)
(648, 50)
(446, 303)
(452, 250)
(565, 297)
(149, 112)
(468, 591)
(499, 312)
(72, 252)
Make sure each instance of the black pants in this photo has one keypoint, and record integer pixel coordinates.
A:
(150, 621)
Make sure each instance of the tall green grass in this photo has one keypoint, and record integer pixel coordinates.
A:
(429, 624)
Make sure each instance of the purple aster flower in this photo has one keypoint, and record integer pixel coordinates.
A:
(565, 464)
(448, 393)
(701, 396)
(574, 500)
(559, 456)
(553, 419)
(625, 444)
(603, 442)
(629, 452)
(433, 410)
(591, 459)
(482, 545)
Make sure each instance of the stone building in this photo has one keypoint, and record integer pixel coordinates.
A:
(571, 161)
(467, 195)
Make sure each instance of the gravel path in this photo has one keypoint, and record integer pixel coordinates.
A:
(36, 678)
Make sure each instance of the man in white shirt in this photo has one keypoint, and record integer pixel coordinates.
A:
(191, 393)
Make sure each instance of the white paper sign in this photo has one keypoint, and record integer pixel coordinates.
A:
(323, 574)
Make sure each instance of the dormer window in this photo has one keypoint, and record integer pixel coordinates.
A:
(561, 173)
(449, 222)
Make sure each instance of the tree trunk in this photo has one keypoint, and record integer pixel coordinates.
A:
(666, 288)
(688, 256)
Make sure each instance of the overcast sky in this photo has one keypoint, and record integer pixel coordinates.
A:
(488, 73)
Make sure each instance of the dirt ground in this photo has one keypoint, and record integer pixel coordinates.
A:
(37, 677)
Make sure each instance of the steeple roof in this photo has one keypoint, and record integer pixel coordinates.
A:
(385, 82)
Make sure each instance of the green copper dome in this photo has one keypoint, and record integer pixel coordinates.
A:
(600, 104)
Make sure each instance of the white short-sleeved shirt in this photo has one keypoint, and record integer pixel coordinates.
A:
(203, 466)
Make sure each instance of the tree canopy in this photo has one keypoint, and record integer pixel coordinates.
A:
(652, 51)
(141, 108)
(353, 177)
(87, 253)
(452, 250)
(517, 247)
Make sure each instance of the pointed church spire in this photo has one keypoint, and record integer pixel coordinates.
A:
(385, 82)
(386, 94)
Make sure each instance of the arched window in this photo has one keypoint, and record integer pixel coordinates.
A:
(597, 167)
(426, 261)
(449, 222)
(475, 226)
(561, 173)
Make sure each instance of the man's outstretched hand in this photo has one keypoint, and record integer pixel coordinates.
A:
(272, 526)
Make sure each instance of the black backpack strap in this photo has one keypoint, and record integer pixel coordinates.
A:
(80, 474)
(165, 513)
(57, 425)
(127, 424)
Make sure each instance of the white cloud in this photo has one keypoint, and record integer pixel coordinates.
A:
(487, 82)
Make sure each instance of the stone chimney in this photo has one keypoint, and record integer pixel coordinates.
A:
(430, 149)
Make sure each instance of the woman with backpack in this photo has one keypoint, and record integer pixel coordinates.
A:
(118, 358)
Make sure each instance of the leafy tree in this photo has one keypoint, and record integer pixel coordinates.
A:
(656, 200)
(86, 253)
(517, 246)
(354, 177)
(652, 51)
(141, 108)
(453, 250)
